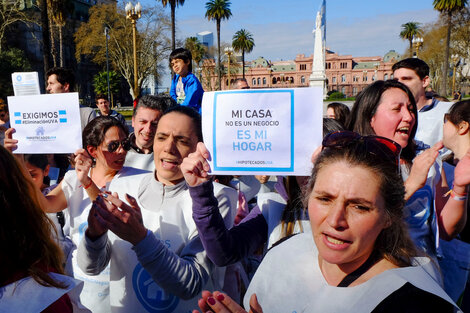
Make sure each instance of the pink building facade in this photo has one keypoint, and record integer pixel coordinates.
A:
(344, 73)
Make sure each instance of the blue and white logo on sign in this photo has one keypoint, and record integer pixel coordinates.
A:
(40, 131)
(18, 78)
(153, 298)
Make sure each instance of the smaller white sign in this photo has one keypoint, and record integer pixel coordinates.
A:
(264, 131)
(46, 123)
(25, 83)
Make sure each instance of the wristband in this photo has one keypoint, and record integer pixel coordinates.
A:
(87, 186)
(458, 197)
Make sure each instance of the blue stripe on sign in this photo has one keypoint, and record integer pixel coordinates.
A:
(17, 113)
(17, 121)
(63, 120)
(62, 112)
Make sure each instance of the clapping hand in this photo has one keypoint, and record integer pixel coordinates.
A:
(122, 219)
(462, 174)
(420, 168)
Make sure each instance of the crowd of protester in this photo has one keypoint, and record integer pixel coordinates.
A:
(134, 222)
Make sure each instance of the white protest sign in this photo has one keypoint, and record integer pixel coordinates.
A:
(46, 123)
(265, 131)
(25, 83)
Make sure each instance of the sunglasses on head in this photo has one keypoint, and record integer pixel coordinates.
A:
(376, 145)
(114, 145)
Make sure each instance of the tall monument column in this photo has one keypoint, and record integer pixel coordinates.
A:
(318, 76)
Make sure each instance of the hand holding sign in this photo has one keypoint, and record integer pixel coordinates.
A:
(195, 167)
(83, 163)
(9, 143)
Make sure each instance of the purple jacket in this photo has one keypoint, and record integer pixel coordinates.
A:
(223, 246)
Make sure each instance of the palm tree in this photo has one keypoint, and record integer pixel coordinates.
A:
(45, 36)
(218, 10)
(448, 7)
(243, 41)
(58, 11)
(410, 30)
(197, 49)
(173, 4)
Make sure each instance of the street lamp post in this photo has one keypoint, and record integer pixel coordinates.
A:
(376, 66)
(228, 52)
(134, 13)
(106, 33)
(455, 58)
(417, 42)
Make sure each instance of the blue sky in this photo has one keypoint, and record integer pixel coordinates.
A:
(283, 29)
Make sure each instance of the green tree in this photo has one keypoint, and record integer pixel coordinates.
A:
(11, 12)
(432, 52)
(337, 95)
(152, 41)
(243, 42)
(173, 4)
(13, 60)
(448, 8)
(218, 10)
(198, 50)
(100, 83)
(408, 31)
(46, 49)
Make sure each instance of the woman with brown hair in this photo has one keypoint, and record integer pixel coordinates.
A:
(359, 257)
(99, 166)
(30, 259)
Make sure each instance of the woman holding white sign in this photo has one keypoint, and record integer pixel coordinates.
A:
(99, 167)
(359, 257)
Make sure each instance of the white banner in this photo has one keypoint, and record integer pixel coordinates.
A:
(264, 131)
(46, 123)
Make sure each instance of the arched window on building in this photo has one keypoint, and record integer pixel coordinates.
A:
(274, 80)
(226, 82)
(354, 91)
(343, 90)
(343, 78)
(259, 81)
(264, 80)
(302, 80)
(333, 80)
(385, 76)
(254, 81)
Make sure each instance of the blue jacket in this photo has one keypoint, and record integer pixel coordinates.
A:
(192, 89)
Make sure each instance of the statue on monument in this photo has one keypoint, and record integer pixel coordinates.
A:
(318, 75)
(318, 22)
